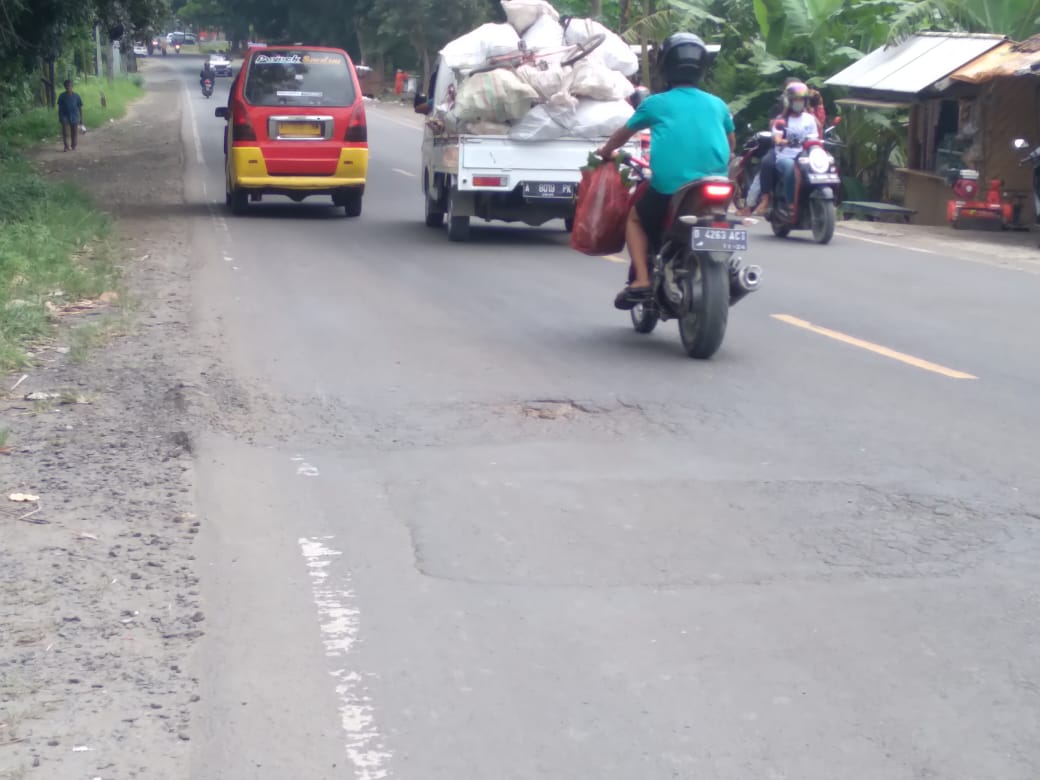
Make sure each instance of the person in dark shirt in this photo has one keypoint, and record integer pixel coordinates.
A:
(70, 114)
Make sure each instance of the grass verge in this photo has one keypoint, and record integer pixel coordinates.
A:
(53, 241)
(41, 124)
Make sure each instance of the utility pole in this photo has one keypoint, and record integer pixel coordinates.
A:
(98, 62)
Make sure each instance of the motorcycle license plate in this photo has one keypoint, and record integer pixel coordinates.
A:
(719, 239)
(300, 130)
(549, 190)
(823, 178)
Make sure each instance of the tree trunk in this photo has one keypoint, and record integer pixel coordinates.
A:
(647, 10)
(595, 8)
(624, 11)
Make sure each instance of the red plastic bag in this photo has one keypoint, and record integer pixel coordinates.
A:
(601, 212)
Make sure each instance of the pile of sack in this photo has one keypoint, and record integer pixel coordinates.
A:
(544, 100)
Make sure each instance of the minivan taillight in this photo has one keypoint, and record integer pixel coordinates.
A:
(243, 131)
(357, 129)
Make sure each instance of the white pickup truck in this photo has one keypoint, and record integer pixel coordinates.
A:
(493, 177)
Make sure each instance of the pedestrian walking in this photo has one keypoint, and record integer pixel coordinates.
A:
(70, 114)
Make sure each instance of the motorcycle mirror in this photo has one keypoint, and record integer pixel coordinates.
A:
(1019, 143)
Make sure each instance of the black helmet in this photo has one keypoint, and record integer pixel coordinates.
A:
(683, 59)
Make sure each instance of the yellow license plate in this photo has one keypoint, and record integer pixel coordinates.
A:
(299, 130)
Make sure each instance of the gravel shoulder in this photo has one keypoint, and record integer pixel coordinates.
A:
(98, 600)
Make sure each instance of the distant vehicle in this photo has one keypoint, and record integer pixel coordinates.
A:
(189, 39)
(140, 50)
(221, 65)
(296, 127)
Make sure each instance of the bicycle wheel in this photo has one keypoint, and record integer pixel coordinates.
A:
(512, 60)
(580, 51)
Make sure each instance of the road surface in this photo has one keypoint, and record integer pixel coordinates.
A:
(467, 524)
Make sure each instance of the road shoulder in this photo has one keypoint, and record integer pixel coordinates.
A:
(97, 587)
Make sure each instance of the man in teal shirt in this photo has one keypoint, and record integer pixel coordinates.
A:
(691, 136)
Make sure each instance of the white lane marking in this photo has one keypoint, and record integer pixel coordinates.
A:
(1007, 265)
(340, 623)
(403, 173)
(886, 243)
(194, 128)
(305, 469)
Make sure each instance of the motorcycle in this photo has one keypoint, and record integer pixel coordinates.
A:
(1033, 158)
(696, 276)
(177, 48)
(745, 168)
(207, 88)
(816, 180)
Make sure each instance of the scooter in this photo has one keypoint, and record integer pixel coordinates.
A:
(1033, 158)
(816, 182)
(207, 88)
(177, 48)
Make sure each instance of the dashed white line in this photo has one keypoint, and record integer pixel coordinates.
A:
(403, 173)
(340, 624)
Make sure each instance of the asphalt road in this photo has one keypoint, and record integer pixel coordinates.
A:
(478, 528)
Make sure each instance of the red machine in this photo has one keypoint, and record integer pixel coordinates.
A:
(971, 208)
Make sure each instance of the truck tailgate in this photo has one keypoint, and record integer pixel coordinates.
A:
(557, 161)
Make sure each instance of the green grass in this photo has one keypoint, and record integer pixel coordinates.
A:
(53, 241)
(41, 124)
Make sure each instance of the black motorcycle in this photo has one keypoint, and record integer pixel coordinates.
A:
(207, 88)
(696, 276)
(1033, 159)
(816, 182)
(745, 168)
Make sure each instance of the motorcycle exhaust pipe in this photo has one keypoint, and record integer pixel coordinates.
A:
(742, 281)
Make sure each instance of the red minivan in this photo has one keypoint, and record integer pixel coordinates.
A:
(296, 127)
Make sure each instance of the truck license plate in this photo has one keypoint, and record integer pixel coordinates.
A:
(559, 190)
(719, 239)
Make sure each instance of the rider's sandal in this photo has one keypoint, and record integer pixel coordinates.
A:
(631, 297)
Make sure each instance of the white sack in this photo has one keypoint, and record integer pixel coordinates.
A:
(524, 13)
(544, 35)
(613, 52)
(496, 96)
(538, 125)
(545, 82)
(596, 119)
(474, 48)
(594, 80)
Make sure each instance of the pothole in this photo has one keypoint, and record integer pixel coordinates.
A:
(551, 409)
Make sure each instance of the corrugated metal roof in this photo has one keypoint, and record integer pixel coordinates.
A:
(915, 64)
(1008, 59)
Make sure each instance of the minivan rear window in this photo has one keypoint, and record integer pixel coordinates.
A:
(295, 77)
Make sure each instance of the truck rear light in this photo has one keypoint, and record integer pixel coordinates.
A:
(488, 181)
(357, 128)
(718, 191)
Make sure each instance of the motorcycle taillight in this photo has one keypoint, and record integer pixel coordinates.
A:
(717, 192)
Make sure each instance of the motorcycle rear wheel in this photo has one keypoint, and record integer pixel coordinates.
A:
(703, 327)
